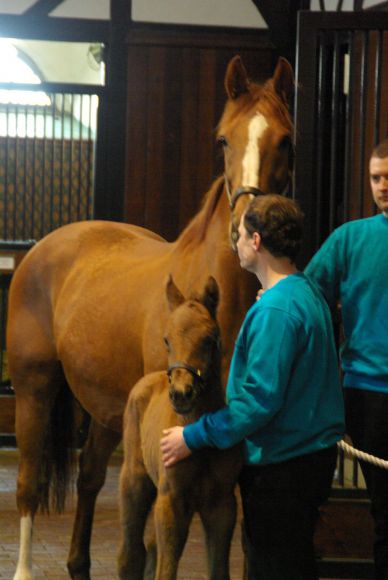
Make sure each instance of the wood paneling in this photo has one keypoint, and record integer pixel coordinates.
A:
(175, 99)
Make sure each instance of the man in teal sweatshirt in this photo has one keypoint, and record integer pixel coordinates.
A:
(351, 268)
(284, 400)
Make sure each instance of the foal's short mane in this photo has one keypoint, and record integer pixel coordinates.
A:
(195, 231)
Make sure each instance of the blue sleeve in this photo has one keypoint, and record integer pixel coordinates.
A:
(324, 268)
(259, 375)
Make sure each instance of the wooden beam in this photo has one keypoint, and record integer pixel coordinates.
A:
(281, 17)
(42, 7)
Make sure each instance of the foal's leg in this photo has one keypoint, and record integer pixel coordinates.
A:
(93, 464)
(172, 520)
(219, 517)
(137, 493)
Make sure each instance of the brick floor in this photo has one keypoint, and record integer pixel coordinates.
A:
(52, 534)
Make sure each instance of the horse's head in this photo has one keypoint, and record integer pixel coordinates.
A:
(192, 341)
(255, 132)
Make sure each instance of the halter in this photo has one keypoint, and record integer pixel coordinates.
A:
(233, 197)
(197, 373)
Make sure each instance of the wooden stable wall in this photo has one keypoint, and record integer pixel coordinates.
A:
(175, 100)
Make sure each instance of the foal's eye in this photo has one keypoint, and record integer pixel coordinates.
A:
(222, 141)
(166, 342)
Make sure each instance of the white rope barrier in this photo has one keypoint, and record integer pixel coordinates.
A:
(349, 450)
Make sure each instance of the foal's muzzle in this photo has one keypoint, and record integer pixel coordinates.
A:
(184, 400)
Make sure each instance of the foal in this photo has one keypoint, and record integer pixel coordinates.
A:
(205, 481)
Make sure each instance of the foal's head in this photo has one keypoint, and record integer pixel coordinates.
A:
(255, 132)
(192, 339)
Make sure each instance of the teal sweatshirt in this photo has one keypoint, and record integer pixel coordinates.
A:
(352, 267)
(283, 394)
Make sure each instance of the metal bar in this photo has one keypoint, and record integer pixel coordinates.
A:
(61, 189)
(334, 132)
(349, 128)
(70, 157)
(52, 174)
(378, 86)
(24, 191)
(43, 193)
(80, 129)
(33, 178)
(321, 127)
(362, 113)
(5, 214)
(90, 166)
(69, 88)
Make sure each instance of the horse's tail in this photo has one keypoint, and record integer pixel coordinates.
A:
(57, 468)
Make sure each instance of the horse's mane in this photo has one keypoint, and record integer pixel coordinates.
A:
(195, 231)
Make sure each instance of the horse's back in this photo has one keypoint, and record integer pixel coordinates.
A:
(66, 297)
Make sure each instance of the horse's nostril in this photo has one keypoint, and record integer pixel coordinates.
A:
(185, 396)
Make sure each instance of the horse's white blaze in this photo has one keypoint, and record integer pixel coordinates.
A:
(24, 567)
(251, 160)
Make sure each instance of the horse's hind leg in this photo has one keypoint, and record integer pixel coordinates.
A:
(93, 463)
(36, 391)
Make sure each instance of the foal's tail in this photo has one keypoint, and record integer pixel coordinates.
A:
(58, 462)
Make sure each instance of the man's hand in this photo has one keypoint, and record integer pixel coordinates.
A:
(173, 446)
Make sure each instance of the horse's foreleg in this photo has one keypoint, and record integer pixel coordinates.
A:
(172, 521)
(93, 465)
(219, 518)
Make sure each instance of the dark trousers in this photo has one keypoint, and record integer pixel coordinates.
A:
(367, 425)
(280, 507)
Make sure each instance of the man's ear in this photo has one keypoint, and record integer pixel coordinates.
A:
(256, 239)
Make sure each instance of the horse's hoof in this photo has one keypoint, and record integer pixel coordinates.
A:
(25, 575)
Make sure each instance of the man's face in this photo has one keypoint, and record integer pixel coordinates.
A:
(378, 170)
(245, 248)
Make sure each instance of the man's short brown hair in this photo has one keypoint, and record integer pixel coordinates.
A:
(381, 150)
(279, 221)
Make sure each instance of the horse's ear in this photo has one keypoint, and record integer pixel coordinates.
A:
(174, 296)
(283, 80)
(211, 296)
(236, 78)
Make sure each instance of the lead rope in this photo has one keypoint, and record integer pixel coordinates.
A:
(353, 452)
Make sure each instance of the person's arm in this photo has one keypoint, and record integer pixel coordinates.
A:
(324, 268)
(257, 384)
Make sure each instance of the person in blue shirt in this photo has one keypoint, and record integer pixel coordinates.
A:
(284, 400)
(351, 268)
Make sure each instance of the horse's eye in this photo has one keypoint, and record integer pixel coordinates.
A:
(287, 147)
(222, 141)
(166, 342)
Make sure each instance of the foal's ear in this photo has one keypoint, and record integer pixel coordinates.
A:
(211, 296)
(174, 296)
(236, 78)
(283, 80)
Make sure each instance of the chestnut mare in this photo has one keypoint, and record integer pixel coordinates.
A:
(205, 481)
(87, 310)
